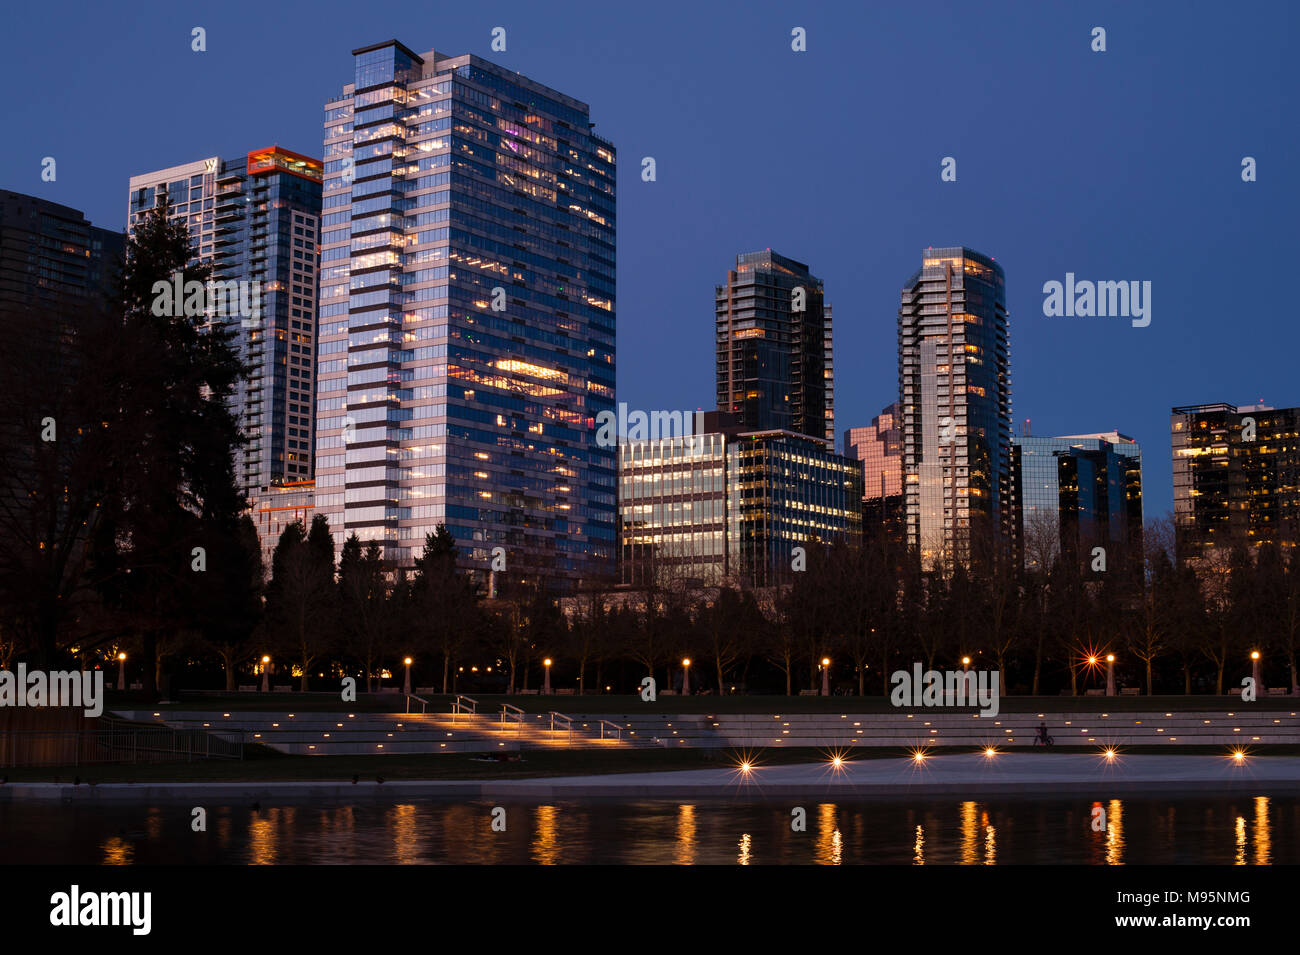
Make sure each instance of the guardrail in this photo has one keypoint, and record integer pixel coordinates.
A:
(469, 705)
(565, 721)
(114, 744)
(618, 730)
(509, 712)
(424, 704)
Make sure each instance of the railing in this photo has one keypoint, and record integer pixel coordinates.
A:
(424, 704)
(511, 712)
(114, 743)
(618, 730)
(463, 704)
(565, 721)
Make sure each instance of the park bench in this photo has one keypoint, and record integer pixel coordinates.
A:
(565, 691)
(284, 688)
(1094, 692)
(1277, 691)
(1131, 691)
(807, 692)
(247, 688)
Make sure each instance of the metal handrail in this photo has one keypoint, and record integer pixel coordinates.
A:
(424, 704)
(567, 720)
(617, 729)
(458, 707)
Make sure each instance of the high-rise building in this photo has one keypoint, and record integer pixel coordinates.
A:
(467, 316)
(731, 504)
(880, 449)
(50, 251)
(774, 356)
(273, 509)
(55, 269)
(955, 394)
(255, 219)
(1236, 478)
(1077, 492)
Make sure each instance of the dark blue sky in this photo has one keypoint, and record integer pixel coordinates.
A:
(1123, 165)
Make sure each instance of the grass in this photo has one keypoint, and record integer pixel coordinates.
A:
(279, 768)
(631, 703)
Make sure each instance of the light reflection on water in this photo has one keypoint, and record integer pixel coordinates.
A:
(1258, 830)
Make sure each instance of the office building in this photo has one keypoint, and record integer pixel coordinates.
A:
(1074, 493)
(730, 505)
(1236, 472)
(467, 317)
(879, 448)
(272, 509)
(955, 396)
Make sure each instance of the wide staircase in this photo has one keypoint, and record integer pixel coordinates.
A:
(467, 730)
(463, 730)
(927, 728)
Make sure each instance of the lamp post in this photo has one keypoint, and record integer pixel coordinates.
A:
(546, 685)
(826, 676)
(1110, 674)
(686, 676)
(965, 664)
(121, 671)
(266, 674)
(1254, 673)
(406, 687)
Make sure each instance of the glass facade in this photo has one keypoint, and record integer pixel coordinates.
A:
(786, 491)
(466, 316)
(730, 506)
(955, 395)
(880, 449)
(48, 250)
(256, 219)
(1081, 491)
(774, 355)
(1231, 486)
(673, 510)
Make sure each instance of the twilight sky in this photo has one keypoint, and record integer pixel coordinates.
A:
(1122, 165)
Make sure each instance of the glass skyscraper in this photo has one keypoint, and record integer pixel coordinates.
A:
(774, 354)
(955, 393)
(255, 219)
(1077, 492)
(466, 316)
(1236, 477)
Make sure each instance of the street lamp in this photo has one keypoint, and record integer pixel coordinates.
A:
(121, 671)
(1255, 667)
(266, 674)
(686, 676)
(965, 664)
(546, 687)
(826, 676)
(1110, 674)
(406, 688)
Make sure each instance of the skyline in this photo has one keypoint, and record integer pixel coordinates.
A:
(686, 90)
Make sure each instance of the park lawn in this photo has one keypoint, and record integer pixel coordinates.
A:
(632, 704)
